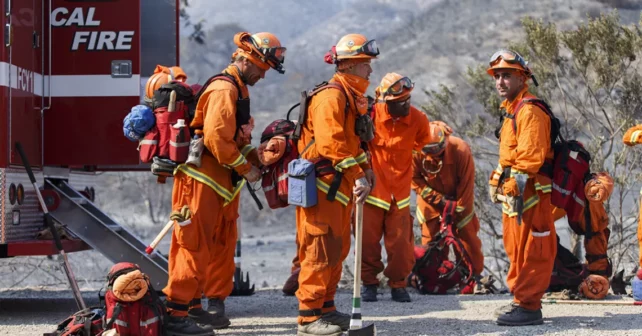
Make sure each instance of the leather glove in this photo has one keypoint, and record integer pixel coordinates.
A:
(493, 183)
(253, 175)
(446, 201)
(181, 215)
(361, 189)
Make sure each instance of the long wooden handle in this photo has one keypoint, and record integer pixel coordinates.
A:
(594, 302)
(159, 237)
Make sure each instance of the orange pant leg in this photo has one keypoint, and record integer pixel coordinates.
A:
(188, 253)
(323, 232)
(399, 242)
(596, 252)
(371, 264)
(472, 244)
(531, 248)
(222, 234)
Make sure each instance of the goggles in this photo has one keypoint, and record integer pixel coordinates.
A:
(369, 48)
(398, 86)
(508, 56)
(434, 148)
(275, 55)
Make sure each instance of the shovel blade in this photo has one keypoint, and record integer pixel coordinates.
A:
(369, 330)
(242, 286)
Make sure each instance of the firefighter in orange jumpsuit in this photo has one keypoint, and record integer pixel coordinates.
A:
(444, 171)
(323, 230)
(528, 226)
(596, 235)
(632, 137)
(398, 129)
(201, 257)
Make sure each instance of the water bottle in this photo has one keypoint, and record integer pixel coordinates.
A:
(636, 284)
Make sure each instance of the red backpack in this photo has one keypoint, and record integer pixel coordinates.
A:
(144, 317)
(569, 167)
(274, 179)
(167, 140)
(433, 273)
(87, 322)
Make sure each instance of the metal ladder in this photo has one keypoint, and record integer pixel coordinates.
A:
(103, 234)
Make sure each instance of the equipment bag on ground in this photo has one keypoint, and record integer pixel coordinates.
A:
(132, 306)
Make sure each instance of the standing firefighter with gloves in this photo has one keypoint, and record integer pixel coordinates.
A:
(528, 227)
(444, 174)
(329, 137)
(201, 257)
(398, 128)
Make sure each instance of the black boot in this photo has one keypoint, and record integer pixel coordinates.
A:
(216, 306)
(369, 293)
(292, 284)
(505, 309)
(400, 295)
(520, 317)
(184, 326)
(207, 320)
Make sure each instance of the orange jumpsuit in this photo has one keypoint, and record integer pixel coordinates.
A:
(323, 230)
(531, 247)
(456, 179)
(632, 137)
(201, 256)
(387, 210)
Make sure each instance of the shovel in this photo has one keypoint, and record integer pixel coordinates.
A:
(241, 286)
(49, 220)
(356, 328)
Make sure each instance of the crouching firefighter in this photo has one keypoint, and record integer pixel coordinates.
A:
(593, 225)
(329, 138)
(398, 129)
(444, 176)
(525, 193)
(201, 257)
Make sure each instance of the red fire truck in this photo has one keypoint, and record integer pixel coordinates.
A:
(70, 71)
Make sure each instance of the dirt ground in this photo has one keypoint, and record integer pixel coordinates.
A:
(268, 312)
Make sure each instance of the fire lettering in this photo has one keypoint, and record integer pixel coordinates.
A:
(90, 40)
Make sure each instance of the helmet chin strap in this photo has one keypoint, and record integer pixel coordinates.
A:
(433, 173)
(241, 74)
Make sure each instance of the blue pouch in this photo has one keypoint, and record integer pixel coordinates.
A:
(139, 120)
(302, 184)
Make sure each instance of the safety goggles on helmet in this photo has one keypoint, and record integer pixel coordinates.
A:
(275, 55)
(398, 86)
(434, 148)
(369, 48)
(508, 56)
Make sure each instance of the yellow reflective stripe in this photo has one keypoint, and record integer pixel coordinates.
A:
(403, 203)
(198, 176)
(341, 197)
(237, 189)
(362, 158)
(545, 188)
(465, 220)
(246, 150)
(635, 135)
(378, 202)
(239, 161)
(459, 208)
(531, 202)
(514, 172)
(345, 164)
(420, 217)
(426, 191)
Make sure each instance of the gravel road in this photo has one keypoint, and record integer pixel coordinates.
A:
(33, 312)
